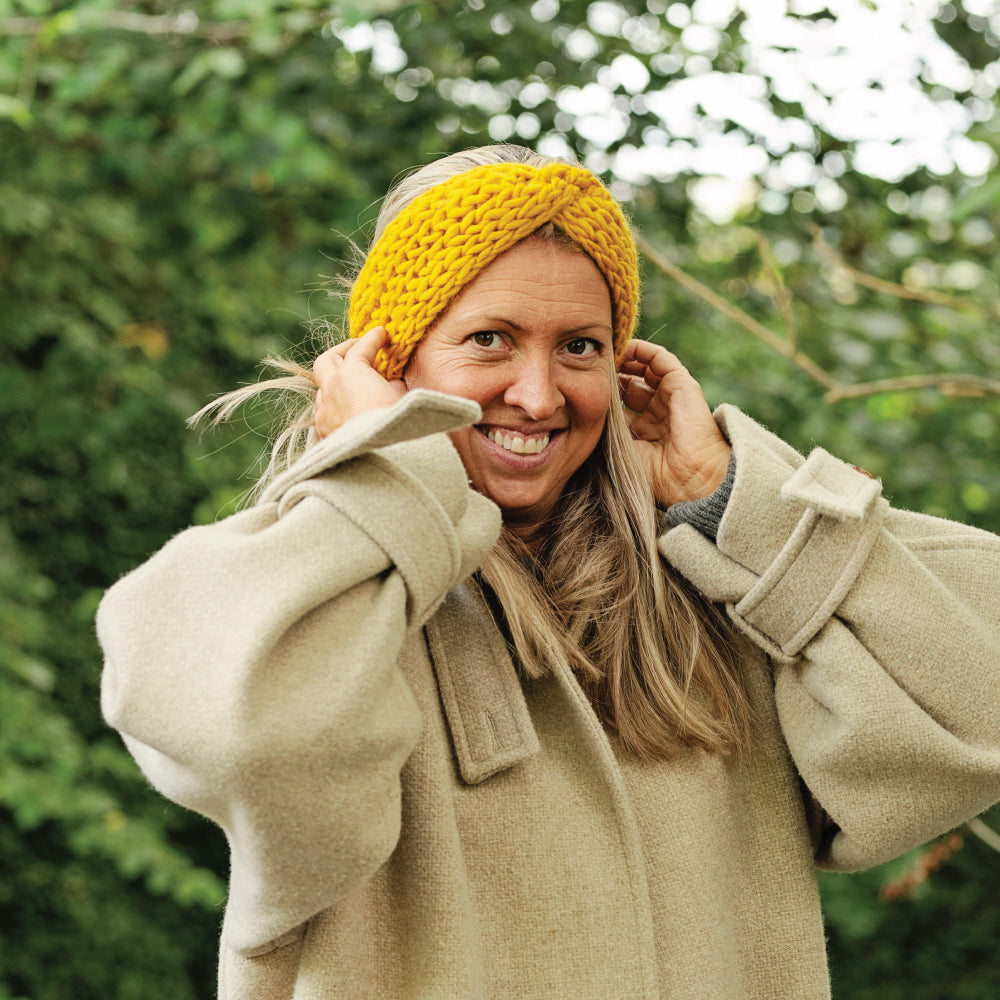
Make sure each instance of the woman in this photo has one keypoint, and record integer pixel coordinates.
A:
(505, 689)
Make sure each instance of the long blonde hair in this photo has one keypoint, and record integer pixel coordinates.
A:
(657, 660)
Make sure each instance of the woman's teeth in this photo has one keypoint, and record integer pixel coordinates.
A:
(519, 445)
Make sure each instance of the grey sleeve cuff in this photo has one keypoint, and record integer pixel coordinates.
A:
(706, 513)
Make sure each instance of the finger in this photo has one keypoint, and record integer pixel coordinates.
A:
(666, 375)
(633, 368)
(676, 396)
(652, 361)
(356, 347)
(323, 363)
(359, 349)
(327, 366)
(365, 347)
(323, 422)
(647, 353)
(653, 421)
(635, 393)
(670, 390)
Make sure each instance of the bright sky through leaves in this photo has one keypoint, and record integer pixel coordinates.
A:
(875, 76)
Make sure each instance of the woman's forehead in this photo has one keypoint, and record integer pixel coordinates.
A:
(538, 274)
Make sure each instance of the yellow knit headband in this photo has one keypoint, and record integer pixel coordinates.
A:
(439, 242)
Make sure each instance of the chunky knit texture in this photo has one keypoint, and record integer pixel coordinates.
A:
(446, 236)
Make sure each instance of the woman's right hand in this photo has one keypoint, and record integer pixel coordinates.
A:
(347, 383)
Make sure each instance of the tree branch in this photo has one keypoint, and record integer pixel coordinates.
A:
(947, 383)
(736, 314)
(185, 23)
(931, 859)
(781, 297)
(880, 284)
(985, 833)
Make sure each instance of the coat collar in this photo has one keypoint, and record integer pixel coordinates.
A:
(484, 705)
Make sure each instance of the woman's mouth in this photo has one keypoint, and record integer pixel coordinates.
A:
(519, 444)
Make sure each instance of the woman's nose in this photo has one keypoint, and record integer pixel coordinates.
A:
(534, 389)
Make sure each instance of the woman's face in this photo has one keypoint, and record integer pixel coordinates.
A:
(529, 340)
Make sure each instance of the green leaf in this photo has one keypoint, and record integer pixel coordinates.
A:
(986, 195)
(16, 110)
(227, 63)
(66, 22)
(975, 498)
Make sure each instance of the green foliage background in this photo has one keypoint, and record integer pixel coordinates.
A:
(175, 190)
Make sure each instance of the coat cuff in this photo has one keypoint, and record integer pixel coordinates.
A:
(399, 461)
(419, 413)
(794, 537)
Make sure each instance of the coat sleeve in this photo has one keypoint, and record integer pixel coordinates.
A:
(883, 628)
(252, 665)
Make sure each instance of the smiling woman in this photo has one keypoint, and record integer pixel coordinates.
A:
(527, 676)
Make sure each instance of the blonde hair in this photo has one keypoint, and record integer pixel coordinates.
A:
(657, 660)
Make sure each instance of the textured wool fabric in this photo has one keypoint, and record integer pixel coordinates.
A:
(706, 513)
(439, 242)
(409, 819)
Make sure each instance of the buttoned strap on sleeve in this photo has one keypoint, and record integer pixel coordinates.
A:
(253, 666)
(794, 538)
(883, 631)
(831, 487)
(419, 413)
(804, 586)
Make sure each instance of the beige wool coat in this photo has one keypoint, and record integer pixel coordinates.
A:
(409, 819)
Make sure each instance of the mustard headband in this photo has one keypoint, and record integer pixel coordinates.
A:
(439, 242)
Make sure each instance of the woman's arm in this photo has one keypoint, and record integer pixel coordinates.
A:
(251, 665)
(884, 630)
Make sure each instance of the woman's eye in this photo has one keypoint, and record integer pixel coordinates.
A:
(582, 346)
(486, 338)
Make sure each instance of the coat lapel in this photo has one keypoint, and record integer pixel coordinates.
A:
(491, 729)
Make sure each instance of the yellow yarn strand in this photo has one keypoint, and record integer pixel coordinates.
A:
(439, 242)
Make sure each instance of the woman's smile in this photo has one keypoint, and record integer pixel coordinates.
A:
(517, 442)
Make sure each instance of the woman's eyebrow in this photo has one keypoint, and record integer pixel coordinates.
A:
(575, 329)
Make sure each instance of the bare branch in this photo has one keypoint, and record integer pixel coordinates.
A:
(933, 857)
(985, 833)
(883, 286)
(781, 297)
(28, 79)
(739, 316)
(185, 23)
(948, 383)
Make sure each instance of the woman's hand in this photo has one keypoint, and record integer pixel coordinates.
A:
(347, 384)
(685, 453)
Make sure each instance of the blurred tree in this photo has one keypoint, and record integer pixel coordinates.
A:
(176, 183)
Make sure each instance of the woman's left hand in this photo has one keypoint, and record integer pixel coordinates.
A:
(676, 436)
